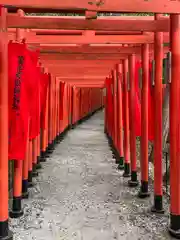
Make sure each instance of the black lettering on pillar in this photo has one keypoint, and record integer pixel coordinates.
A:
(17, 86)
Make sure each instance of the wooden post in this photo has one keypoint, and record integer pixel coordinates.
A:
(105, 107)
(25, 193)
(174, 228)
(4, 228)
(30, 163)
(16, 210)
(126, 120)
(158, 175)
(34, 157)
(51, 127)
(144, 123)
(120, 114)
(115, 120)
(115, 109)
(59, 128)
(56, 110)
(38, 165)
(47, 125)
(20, 35)
(57, 119)
(45, 130)
(132, 124)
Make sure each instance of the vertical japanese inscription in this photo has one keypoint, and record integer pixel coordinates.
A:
(17, 85)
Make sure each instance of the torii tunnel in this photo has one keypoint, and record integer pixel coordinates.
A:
(57, 71)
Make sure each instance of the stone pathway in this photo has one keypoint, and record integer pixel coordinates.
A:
(80, 195)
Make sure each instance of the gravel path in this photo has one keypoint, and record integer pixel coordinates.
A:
(80, 195)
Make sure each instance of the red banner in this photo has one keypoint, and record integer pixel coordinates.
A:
(18, 100)
(34, 100)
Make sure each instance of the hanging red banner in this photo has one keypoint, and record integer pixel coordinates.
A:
(18, 100)
(34, 101)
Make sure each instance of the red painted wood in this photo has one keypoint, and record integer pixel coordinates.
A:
(132, 113)
(126, 113)
(158, 56)
(174, 117)
(120, 111)
(79, 23)
(107, 6)
(3, 121)
(144, 115)
(128, 39)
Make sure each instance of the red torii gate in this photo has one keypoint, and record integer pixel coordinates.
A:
(126, 6)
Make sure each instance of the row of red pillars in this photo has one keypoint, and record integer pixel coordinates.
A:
(86, 103)
(123, 136)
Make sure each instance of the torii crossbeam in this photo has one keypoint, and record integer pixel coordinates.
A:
(160, 6)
